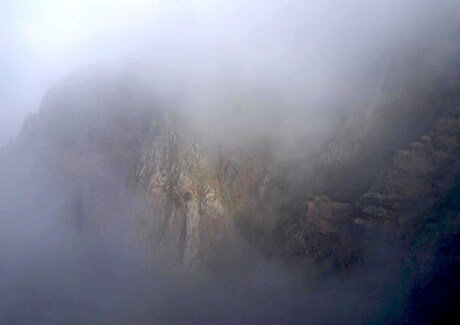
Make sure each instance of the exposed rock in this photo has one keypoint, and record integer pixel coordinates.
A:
(418, 179)
(325, 233)
(193, 199)
(186, 215)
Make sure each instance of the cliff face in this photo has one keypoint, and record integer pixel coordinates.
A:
(186, 215)
(118, 159)
(118, 155)
(196, 194)
(118, 166)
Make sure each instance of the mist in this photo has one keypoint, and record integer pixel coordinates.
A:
(297, 89)
(54, 271)
(299, 52)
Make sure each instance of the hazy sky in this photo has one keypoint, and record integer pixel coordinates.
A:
(43, 40)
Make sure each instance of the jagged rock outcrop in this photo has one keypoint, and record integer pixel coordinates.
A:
(419, 178)
(414, 198)
(392, 159)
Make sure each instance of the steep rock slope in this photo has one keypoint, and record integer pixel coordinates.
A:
(118, 154)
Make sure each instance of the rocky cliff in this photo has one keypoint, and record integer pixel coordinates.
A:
(195, 199)
(390, 166)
